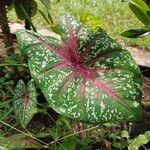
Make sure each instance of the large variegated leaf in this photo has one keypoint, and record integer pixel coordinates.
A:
(25, 102)
(87, 76)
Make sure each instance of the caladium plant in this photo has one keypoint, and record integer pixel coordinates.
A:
(87, 76)
(25, 102)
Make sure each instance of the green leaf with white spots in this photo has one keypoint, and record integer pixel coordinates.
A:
(25, 102)
(86, 76)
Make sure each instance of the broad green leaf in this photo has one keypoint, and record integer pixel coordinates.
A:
(142, 139)
(135, 33)
(87, 76)
(91, 21)
(143, 5)
(19, 141)
(29, 6)
(139, 13)
(25, 102)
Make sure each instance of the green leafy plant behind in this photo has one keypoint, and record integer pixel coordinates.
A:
(91, 21)
(141, 11)
(29, 6)
(133, 33)
(25, 102)
(86, 76)
(139, 141)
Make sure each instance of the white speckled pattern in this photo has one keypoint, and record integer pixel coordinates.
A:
(104, 86)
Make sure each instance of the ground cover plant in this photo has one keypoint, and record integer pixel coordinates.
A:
(80, 91)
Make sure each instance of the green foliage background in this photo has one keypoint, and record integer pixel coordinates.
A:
(115, 15)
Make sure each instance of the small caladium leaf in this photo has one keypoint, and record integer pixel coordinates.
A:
(25, 102)
(87, 76)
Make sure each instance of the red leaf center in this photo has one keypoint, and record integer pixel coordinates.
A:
(71, 57)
